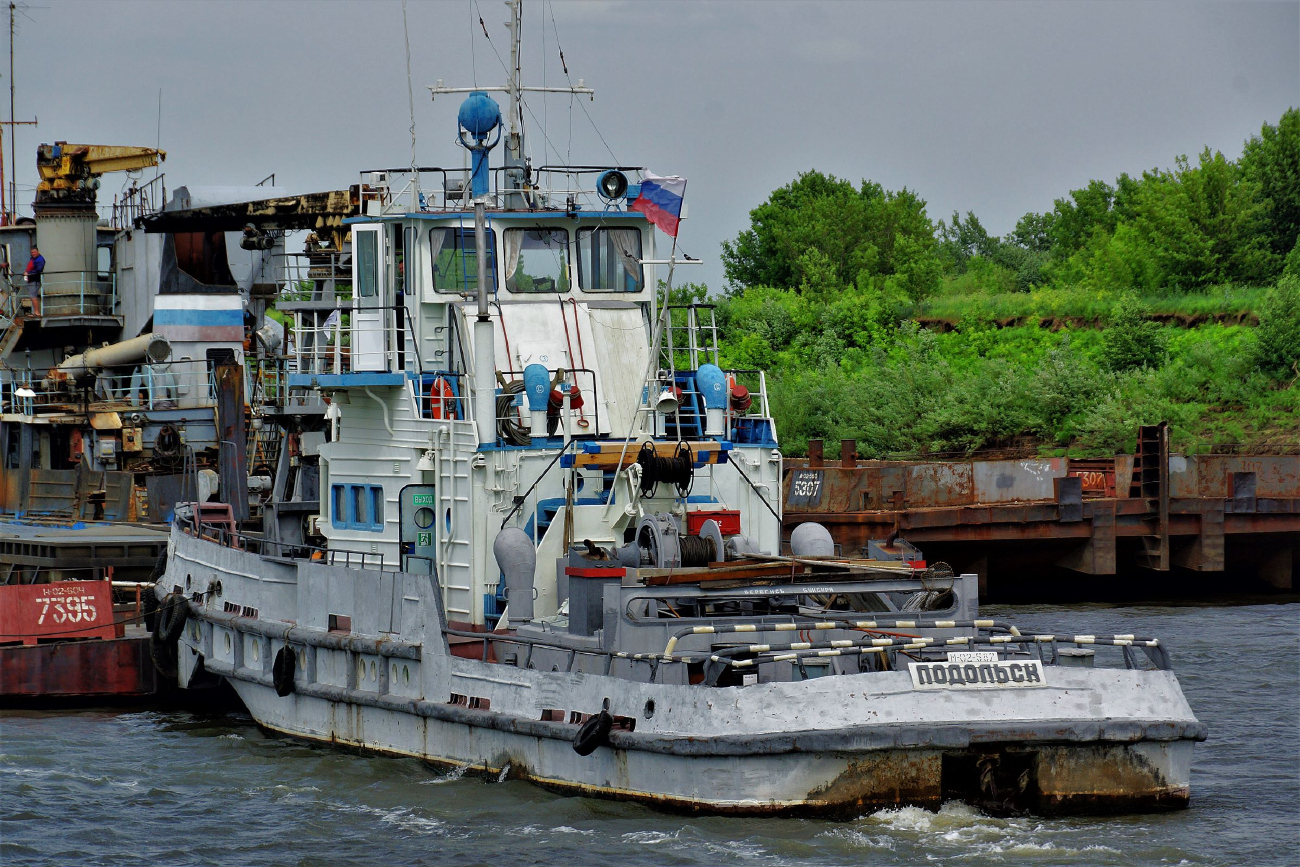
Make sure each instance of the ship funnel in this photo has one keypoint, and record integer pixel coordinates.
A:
(517, 559)
(812, 540)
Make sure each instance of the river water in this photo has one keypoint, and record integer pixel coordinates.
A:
(164, 787)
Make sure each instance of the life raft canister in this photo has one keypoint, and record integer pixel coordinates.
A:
(442, 400)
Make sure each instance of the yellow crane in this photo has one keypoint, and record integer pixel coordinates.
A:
(70, 172)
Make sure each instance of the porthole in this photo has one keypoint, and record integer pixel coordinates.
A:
(406, 674)
(361, 669)
(394, 675)
(424, 517)
(302, 659)
(189, 582)
(228, 645)
(256, 650)
(372, 670)
(649, 711)
(448, 520)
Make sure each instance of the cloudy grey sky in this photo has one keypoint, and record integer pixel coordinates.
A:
(995, 107)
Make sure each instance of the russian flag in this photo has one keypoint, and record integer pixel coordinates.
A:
(661, 201)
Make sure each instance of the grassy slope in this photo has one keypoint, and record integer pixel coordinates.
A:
(992, 377)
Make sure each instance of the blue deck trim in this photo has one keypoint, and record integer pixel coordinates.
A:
(344, 380)
(181, 316)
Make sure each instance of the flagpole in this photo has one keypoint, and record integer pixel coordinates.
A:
(654, 358)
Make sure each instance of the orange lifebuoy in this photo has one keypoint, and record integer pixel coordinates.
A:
(442, 400)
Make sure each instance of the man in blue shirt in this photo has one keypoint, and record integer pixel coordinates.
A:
(35, 268)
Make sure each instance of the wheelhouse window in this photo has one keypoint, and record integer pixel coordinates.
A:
(455, 259)
(609, 260)
(339, 508)
(357, 507)
(360, 497)
(537, 260)
(367, 263)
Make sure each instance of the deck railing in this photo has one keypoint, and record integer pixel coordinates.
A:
(167, 385)
(70, 293)
(344, 340)
(436, 189)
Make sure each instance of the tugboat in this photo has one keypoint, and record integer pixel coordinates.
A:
(553, 548)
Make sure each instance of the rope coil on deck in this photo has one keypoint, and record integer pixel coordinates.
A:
(678, 470)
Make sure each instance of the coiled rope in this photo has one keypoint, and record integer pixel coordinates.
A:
(678, 470)
(512, 431)
(697, 551)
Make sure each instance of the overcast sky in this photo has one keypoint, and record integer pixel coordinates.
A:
(995, 107)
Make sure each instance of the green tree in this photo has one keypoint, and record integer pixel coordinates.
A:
(1202, 223)
(1033, 232)
(1272, 160)
(1076, 218)
(1130, 339)
(821, 231)
(1278, 349)
(963, 240)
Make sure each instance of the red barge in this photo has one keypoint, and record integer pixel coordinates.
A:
(65, 641)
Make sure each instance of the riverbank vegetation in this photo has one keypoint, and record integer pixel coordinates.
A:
(1172, 295)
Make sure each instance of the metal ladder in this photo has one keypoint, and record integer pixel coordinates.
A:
(1151, 483)
(265, 446)
(11, 323)
(699, 340)
(456, 574)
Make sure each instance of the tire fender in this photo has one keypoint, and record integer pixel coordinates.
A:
(172, 614)
(282, 671)
(593, 733)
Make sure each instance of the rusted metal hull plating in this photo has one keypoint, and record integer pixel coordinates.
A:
(115, 668)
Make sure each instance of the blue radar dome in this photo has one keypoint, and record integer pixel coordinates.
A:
(479, 114)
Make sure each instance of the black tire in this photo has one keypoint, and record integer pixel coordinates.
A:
(282, 671)
(151, 596)
(594, 733)
(149, 604)
(159, 566)
(164, 656)
(172, 615)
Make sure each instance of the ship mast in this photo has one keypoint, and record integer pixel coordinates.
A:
(516, 163)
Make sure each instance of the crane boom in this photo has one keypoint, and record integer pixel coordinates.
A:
(70, 172)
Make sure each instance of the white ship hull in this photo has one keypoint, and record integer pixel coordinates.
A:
(1088, 740)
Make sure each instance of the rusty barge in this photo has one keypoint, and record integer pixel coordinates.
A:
(1045, 528)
